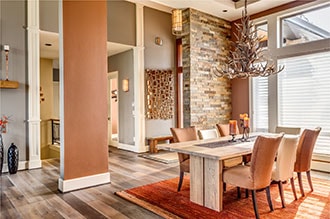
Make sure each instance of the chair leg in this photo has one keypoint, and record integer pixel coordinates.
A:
(246, 193)
(224, 186)
(293, 188)
(180, 181)
(255, 207)
(280, 188)
(308, 173)
(269, 199)
(238, 192)
(300, 184)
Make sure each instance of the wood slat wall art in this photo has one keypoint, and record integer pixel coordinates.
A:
(160, 94)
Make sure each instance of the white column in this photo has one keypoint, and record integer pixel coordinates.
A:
(139, 107)
(34, 84)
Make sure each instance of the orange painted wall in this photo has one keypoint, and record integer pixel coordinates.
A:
(85, 88)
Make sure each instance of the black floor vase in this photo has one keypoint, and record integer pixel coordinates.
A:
(12, 159)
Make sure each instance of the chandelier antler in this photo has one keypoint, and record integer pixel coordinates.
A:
(247, 58)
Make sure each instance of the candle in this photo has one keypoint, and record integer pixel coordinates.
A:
(243, 115)
(232, 127)
(246, 122)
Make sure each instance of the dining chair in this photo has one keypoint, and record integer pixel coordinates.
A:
(283, 167)
(208, 133)
(257, 175)
(181, 135)
(224, 129)
(288, 130)
(304, 155)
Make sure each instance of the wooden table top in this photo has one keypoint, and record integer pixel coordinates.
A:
(233, 149)
(220, 153)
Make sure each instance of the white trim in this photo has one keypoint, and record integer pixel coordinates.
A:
(83, 182)
(61, 71)
(139, 87)
(133, 148)
(22, 165)
(320, 166)
(113, 75)
(33, 83)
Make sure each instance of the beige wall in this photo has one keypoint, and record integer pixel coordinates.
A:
(85, 89)
(46, 106)
(158, 24)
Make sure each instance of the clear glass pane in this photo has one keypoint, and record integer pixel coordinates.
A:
(306, 27)
(262, 33)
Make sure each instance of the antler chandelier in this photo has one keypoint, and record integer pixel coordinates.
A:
(247, 58)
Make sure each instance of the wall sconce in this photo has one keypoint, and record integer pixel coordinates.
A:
(176, 22)
(125, 85)
(158, 41)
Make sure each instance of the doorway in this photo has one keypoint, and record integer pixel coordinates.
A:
(113, 103)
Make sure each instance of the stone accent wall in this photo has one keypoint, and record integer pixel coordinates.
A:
(207, 99)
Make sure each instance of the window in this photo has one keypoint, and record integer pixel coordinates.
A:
(260, 104)
(304, 93)
(306, 27)
(302, 90)
(262, 33)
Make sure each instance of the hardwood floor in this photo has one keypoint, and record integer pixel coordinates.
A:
(34, 194)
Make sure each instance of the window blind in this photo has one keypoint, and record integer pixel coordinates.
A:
(304, 92)
(260, 104)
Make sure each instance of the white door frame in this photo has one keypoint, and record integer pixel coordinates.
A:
(112, 75)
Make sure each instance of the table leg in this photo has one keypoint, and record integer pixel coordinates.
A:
(196, 180)
(152, 146)
(213, 186)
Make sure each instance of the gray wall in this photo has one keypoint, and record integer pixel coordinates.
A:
(123, 63)
(48, 15)
(13, 102)
(158, 24)
(121, 22)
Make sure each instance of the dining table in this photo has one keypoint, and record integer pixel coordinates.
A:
(206, 165)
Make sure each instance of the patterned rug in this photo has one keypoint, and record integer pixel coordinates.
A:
(163, 199)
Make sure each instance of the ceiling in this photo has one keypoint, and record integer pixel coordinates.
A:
(214, 7)
(51, 51)
(218, 7)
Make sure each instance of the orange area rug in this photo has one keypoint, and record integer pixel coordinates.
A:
(163, 199)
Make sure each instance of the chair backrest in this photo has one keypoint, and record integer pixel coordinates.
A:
(208, 134)
(184, 134)
(224, 129)
(305, 149)
(288, 130)
(181, 135)
(286, 157)
(262, 160)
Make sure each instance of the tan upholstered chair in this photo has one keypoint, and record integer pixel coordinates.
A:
(258, 174)
(180, 135)
(287, 130)
(224, 129)
(283, 167)
(304, 155)
(208, 134)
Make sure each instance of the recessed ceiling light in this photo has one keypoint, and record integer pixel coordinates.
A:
(48, 44)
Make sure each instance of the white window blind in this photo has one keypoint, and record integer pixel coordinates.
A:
(304, 93)
(260, 104)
